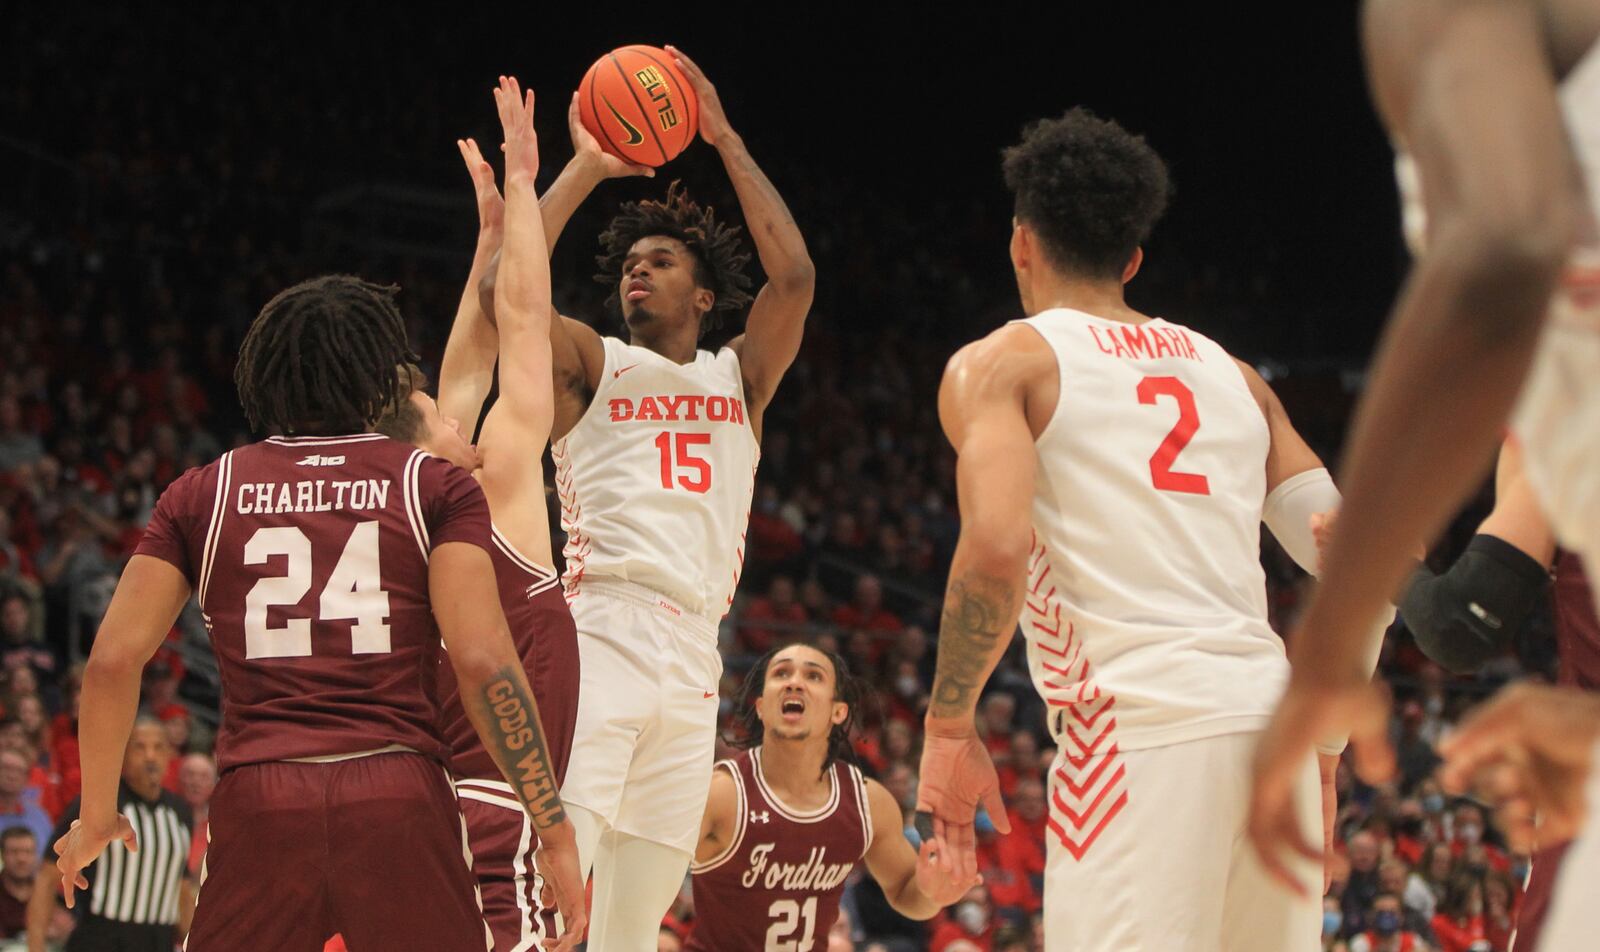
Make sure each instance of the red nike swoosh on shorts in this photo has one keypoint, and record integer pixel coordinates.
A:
(617, 373)
(711, 694)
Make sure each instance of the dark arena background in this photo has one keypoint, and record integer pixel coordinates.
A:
(166, 170)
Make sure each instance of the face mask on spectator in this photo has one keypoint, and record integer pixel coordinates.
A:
(907, 686)
(1386, 923)
(972, 918)
(1331, 921)
(1471, 833)
(1433, 802)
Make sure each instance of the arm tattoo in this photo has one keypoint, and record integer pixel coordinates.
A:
(517, 744)
(980, 613)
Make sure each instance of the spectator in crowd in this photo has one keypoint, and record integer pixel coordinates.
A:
(18, 649)
(1438, 865)
(197, 780)
(1416, 900)
(1012, 863)
(1361, 888)
(1499, 910)
(19, 851)
(1386, 932)
(17, 810)
(18, 445)
(1469, 844)
(769, 619)
(1459, 925)
(865, 612)
(969, 924)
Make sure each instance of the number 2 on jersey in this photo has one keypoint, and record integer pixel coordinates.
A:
(1162, 475)
(796, 918)
(678, 448)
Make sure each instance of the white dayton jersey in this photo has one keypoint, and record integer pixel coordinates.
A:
(1145, 609)
(656, 478)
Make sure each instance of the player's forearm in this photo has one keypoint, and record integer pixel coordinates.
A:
(503, 710)
(110, 702)
(467, 369)
(556, 206)
(779, 243)
(522, 294)
(910, 901)
(980, 614)
(1443, 386)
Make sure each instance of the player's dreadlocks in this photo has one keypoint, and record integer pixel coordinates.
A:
(847, 689)
(320, 358)
(719, 256)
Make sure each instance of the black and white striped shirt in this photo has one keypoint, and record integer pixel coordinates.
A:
(140, 887)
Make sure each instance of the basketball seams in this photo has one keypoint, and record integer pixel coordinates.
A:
(595, 109)
(684, 89)
(644, 112)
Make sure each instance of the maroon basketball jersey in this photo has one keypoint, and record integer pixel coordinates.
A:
(778, 883)
(1577, 629)
(309, 557)
(547, 641)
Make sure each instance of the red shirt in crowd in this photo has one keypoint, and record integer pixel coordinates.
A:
(759, 638)
(1457, 936)
(950, 932)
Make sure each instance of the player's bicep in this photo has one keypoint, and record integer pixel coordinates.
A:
(1288, 454)
(466, 606)
(772, 336)
(144, 608)
(718, 821)
(527, 390)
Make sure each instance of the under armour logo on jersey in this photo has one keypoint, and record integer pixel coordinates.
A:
(315, 460)
(761, 817)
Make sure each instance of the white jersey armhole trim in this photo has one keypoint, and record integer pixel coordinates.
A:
(864, 804)
(515, 555)
(742, 805)
(410, 490)
(1061, 382)
(214, 528)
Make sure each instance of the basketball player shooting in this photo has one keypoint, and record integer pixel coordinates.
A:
(788, 819)
(1486, 102)
(656, 445)
(1113, 472)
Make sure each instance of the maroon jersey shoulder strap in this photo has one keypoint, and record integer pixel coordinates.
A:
(851, 779)
(739, 769)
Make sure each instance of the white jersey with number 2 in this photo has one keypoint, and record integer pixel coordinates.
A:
(655, 480)
(1145, 609)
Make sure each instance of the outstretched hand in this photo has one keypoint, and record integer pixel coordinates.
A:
(491, 207)
(713, 120)
(516, 123)
(586, 148)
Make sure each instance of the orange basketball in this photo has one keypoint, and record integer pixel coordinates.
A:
(639, 105)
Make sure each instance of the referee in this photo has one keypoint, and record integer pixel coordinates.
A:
(136, 901)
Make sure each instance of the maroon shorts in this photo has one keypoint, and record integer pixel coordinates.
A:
(1541, 887)
(503, 843)
(371, 848)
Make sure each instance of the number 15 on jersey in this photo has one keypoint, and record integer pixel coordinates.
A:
(680, 467)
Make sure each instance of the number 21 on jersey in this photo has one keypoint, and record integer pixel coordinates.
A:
(794, 926)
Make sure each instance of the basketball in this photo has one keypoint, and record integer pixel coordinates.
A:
(639, 105)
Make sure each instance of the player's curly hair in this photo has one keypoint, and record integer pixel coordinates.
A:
(719, 255)
(847, 689)
(320, 358)
(1090, 189)
(401, 420)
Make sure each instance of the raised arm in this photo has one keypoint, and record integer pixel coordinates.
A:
(502, 708)
(518, 425)
(917, 883)
(777, 320)
(467, 370)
